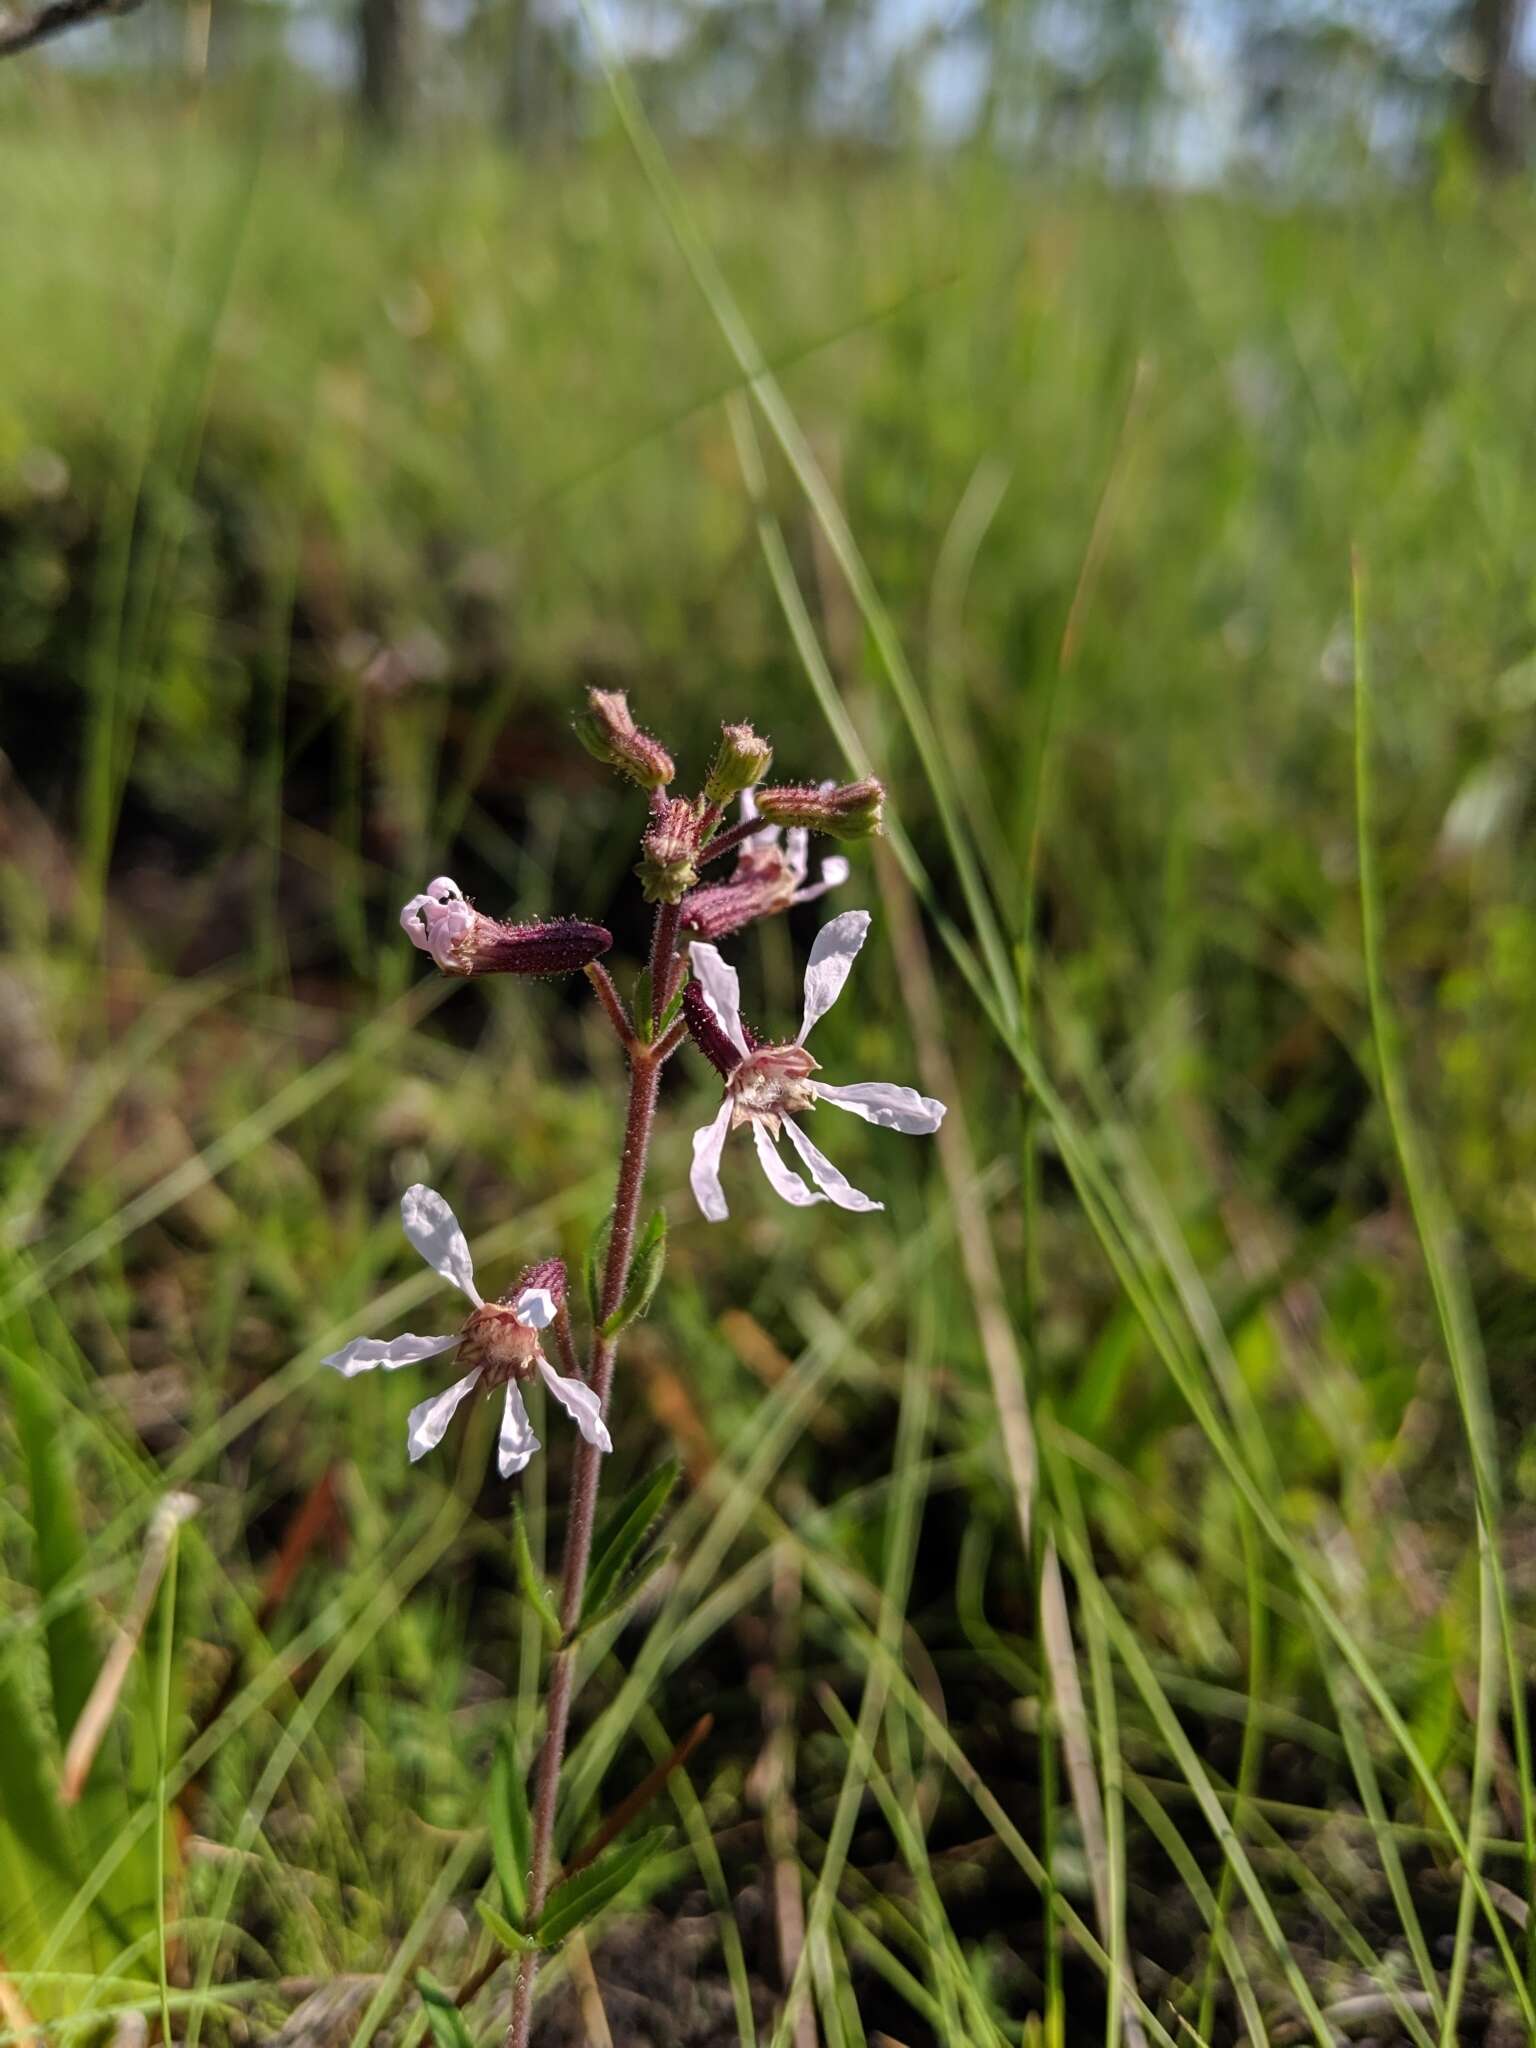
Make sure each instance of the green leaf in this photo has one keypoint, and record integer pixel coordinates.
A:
(669, 1015)
(619, 1540)
(627, 1594)
(511, 1938)
(596, 1257)
(443, 2016)
(74, 1652)
(511, 1828)
(645, 1270)
(585, 1895)
(640, 1006)
(535, 1590)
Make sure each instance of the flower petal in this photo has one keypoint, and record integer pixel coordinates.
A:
(883, 1103)
(579, 1402)
(704, 1175)
(834, 1185)
(517, 1442)
(797, 853)
(364, 1353)
(781, 1178)
(429, 1419)
(413, 924)
(536, 1307)
(835, 870)
(434, 1230)
(836, 947)
(722, 991)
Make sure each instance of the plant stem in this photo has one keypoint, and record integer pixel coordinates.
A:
(645, 1063)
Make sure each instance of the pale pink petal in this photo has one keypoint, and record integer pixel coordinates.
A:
(835, 870)
(834, 1185)
(704, 1177)
(517, 1442)
(749, 812)
(781, 1178)
(444, 889)
(722, 991)
(448, 925)
(833, 954)
(364, 1353)
(412, 922)
(797, 853)
(434, 1230)
(579, 1402)
(536, 1307)
(883, 1103)
(430, 1419)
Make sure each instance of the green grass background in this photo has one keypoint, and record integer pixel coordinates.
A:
(327, 479)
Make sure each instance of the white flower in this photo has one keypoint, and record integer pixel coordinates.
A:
(797, 841)
(501, 1338)
(771, 1086)
(439, 921)
(769, 877)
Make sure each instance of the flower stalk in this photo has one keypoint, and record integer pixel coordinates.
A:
(645, 1064)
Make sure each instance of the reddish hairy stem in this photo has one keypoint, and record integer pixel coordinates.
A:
(726, 841)
(612, 1002)
(644, 1079)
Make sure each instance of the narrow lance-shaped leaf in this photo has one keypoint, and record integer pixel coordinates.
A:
(645, 1270)
(619, 1540)
(511, 1938)
(584, 1896)
(640, 1005)
(593, 1261)
(628, 1593)
(443, 2015)
(535, 1591)
(511, 1828)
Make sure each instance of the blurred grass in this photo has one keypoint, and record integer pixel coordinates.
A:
(325, 481)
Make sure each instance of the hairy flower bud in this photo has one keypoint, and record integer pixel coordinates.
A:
(850, 810)
(548, 1274)
(741, 760)
(707, 1032)
(671, 841)
(608, 732)
(463, 942)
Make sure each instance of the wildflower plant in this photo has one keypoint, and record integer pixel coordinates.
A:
(687, 993)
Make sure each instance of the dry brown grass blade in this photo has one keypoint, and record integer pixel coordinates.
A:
(631, 1808)
(12, 2006)
(96, 1714)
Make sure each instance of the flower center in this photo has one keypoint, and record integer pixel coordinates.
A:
(500, 1343)
(772, 1082)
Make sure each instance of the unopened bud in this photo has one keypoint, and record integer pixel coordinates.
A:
(708, 1033)
(671, 840)
(548, 1274)
(741, 760)
(463, 942)
(608, 732)
(851, 810)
